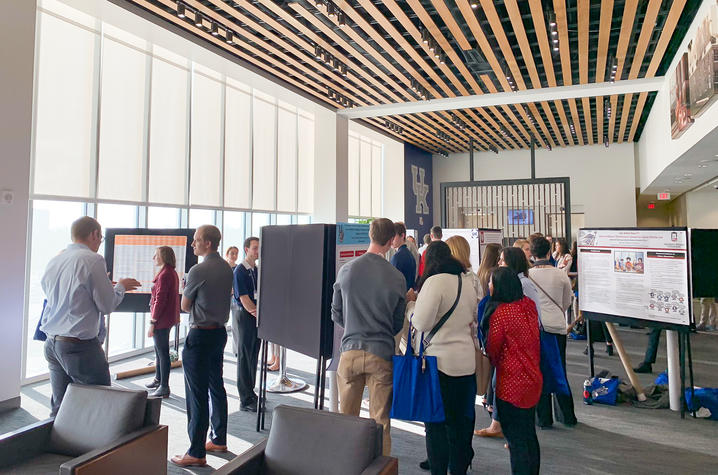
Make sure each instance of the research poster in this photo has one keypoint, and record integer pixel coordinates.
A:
(478, 239)
(133, 258)
(635, 273)
(352, 241)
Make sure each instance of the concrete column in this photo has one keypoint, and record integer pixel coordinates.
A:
(17, 28)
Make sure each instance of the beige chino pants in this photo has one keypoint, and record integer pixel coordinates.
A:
(357, 369)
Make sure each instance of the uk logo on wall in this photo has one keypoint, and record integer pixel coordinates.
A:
(418, 207)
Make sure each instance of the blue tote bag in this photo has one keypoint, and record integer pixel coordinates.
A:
(417, 395)
(554, 378)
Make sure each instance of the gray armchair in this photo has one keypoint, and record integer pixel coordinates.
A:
(98, 430)
(306, 441)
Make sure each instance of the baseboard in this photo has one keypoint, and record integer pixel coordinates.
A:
(12, 403)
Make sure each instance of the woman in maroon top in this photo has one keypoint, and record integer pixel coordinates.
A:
(514, 348)
(164, 311)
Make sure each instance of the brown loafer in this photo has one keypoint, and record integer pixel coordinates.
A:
(187, 460)
(212, 447)
(486, 433)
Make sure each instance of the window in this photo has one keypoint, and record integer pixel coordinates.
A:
(198, 217)
(158, 217)
(233, 232)
(238, 150)
(284, 219)
(354, 173)
(65, 114)
(259, 220)
(51, 222)
(264, 155)
(287, 159)
(206, 129)
(365, 176)
(305, 163)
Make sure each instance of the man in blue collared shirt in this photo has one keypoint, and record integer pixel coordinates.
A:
(78, 293)
(402, 259)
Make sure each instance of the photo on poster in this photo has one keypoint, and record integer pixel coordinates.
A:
(680, 99)
(702, 65)
(630, 262)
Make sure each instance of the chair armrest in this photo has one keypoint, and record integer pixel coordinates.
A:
(25, 442)
(142, 451)
(249, 462)
(383, 465)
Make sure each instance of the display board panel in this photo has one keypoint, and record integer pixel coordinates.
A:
(129, 251)
(704, 262)
(639, 273)
(478, 238)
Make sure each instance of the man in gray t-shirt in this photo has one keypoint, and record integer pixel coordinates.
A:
(369, 302)
(205, 298)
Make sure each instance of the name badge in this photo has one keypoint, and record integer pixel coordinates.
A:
(256, 295)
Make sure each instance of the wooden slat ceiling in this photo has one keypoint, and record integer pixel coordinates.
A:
(476, 47)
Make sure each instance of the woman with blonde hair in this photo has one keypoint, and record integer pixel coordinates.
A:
(525, 246)
(489, 260)
(164, 314)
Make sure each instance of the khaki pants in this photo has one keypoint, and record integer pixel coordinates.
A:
(357, 369)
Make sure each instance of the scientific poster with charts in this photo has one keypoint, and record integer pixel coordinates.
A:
(132, 257)
(478, 239)
(352, 242)
(635, 273)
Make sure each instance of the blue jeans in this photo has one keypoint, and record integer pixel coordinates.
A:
(80, 362)
(202, 359)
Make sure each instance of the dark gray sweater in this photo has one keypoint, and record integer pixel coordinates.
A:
(369, 303)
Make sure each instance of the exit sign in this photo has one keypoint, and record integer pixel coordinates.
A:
(664, 196)
(651, 205)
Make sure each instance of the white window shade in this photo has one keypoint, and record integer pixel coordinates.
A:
(286, 160)
(353, 178)
(264, 154)
(238, 150)
(305, 175)
(206, 150)
(122, 122)
(64, 115)
(377, 184)
(365, 178)
(168, 133)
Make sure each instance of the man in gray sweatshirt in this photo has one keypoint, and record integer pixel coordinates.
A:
(369, 303)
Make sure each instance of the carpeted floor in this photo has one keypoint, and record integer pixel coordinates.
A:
(610, 440)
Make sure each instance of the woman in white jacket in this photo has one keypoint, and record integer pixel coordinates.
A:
(554, 289)
(448, 443)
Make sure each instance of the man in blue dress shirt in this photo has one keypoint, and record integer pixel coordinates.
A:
(78, 293)
(402, 259)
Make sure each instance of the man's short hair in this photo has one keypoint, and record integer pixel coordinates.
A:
(540, 247)
(427, 239)
(436, 232)
(83, 227)
(248, 242)
(212, 234)
(399, 228)
(535, 235)
(381, 231)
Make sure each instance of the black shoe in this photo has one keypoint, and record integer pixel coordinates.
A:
(251, 407)
(585, 351)
(160, 392)
(609, 350)
(644, 368)
(153, 385)
(425, 465)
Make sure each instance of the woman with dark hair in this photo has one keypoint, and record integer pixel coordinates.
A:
(164, 314)
(489, 260)
(514, 347)
(563, 256)
(443, 284)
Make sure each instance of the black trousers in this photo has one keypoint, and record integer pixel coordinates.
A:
(563, 403)
(81, 362)
(448, 443)
(162, 356)
(202, 360)
(520, 432)
(652, 349)
(247, 357)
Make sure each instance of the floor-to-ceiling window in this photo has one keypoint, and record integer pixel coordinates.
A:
(139, 136)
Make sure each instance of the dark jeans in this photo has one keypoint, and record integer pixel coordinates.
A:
(202, 359)
(520, 432)
(247, 358)
(491, 395)
(652, 349)
(74, 362)
(162, 356)
(563, 403)
(448, 443)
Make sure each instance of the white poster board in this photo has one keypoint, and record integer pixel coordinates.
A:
(635, 273)
(488, 236)
(478, 239)
(133, 258)
(352, 241)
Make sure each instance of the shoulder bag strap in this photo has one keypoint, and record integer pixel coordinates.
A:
(545, 293)
(443, 320)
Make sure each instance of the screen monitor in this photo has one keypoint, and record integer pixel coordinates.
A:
(521, 216)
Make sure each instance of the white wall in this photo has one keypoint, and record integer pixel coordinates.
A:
(702, 208)
(656, 148)
(602, 179)
(17, 28)
(393, 186)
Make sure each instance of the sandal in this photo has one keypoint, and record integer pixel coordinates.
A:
(486, 433)
(274, 367)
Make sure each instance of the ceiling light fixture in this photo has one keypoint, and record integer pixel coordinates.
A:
(605, 140)
(181, 9)
(214, 29)
(443, 136)
(553, 31)
(229, 37)
(198, 20)
(607, 108)
(474, 4)
(614, 69)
